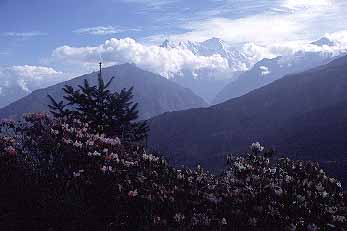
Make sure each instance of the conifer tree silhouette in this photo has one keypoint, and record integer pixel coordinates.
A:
(111, 113)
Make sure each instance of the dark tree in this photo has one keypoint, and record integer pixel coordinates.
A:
(111, 113)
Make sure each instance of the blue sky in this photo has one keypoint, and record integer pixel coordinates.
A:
(32, 31)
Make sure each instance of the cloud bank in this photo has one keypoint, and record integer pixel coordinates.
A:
(173, 61)
(102, 30)
(24, 34)
(330, 45)
(29, 78)
(98, 30)
(164, 61)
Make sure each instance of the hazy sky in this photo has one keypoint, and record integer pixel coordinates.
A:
(51, 33)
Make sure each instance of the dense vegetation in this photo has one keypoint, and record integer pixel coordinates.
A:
(76, 170)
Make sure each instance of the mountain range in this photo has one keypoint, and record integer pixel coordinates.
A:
(154, 93)
(268, 70)
(11, 93)
(212, 84)
(302, 115)
(247, 71)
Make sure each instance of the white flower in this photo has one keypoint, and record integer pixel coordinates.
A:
(300, 198)
(55, 132)
(288, 178)
(339, 219)
(256, 147)
(150, 157)
(67, 141)
(78, 144)
(106, 168)
(128, 163)
(179, 217)
(180, 176)
(77, 121)
(90, 142)
(319, 187)
(278, 191)
(312, 227)
(324, 194)
(292, 227)
(113, 156)
(115, 141)
(224, 221)
(253, 221)
(76, 174)
(239, 166)
(332, 210)
(156, 220)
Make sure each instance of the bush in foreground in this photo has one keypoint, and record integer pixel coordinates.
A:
(59, 174)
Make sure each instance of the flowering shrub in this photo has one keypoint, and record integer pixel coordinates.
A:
(72, 178)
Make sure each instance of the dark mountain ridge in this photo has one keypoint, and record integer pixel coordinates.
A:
(273, 115)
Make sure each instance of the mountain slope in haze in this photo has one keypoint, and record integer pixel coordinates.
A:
(205, 135)
(11, 94)
(19, 81)
(268, 70)
(154, 93)
(206, 87)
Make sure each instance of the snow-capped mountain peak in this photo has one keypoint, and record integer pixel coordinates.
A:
(206, 48)
(215, 46)
(324, 41)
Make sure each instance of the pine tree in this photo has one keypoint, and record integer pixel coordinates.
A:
(110, 113)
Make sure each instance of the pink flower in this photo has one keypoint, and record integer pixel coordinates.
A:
(133, 193)
(11, 151)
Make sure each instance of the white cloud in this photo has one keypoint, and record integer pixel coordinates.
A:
(24, 34)
(338, 38)
(308, 4)
(102, 30)
(164, 61)
(264, 28)
(280, 21)
(30, 78)
(154, 4)
(289, 49)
